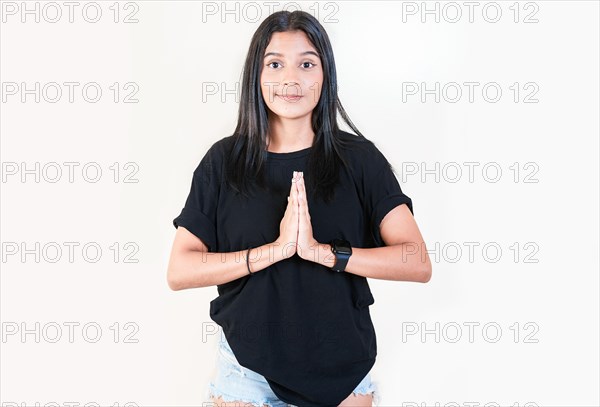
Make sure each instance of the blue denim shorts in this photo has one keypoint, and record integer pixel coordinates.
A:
(233, 382)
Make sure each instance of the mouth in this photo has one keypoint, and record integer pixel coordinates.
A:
(289, 97)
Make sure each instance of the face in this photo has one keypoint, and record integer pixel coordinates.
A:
(291, 76)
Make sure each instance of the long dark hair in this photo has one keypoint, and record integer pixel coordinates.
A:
(249, 151)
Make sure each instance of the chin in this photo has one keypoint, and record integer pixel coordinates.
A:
(289, 114)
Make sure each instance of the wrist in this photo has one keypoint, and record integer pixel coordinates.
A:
(282, 250)
(325, 255)
(342, 251)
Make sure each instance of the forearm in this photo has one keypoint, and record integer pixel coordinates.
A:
(403, 262)
(193, 269)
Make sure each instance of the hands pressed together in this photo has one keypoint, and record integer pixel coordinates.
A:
(295, 230)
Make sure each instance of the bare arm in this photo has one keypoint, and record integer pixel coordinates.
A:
(192, 266)
(404, 258)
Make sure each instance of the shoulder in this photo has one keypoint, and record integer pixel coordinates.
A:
(218, 150)
(214, 158)
(363, 152)
(221, 147)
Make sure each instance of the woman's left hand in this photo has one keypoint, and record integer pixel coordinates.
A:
(306, 245)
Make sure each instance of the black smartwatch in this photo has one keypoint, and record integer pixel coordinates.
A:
(342, 250)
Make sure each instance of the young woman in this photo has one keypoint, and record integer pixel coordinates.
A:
(288, 217)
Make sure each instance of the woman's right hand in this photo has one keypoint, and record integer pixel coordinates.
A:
(288, 228)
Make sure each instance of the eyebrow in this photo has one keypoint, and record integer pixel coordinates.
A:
(277, 54)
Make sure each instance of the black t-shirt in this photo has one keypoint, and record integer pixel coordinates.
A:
(305, 328)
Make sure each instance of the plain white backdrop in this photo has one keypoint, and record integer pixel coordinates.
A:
(504, 187)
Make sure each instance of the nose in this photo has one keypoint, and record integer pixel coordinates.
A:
(291, 87)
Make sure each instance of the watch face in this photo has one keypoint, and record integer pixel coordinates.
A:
(342, 246)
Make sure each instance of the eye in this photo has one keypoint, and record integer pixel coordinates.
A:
(307, 62)
(274, 62)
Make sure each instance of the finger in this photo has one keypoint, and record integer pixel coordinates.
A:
(303, 202)
(297, 210)
(297, 178)
(294, 193)
(292, 187)
(302, 188)
(301, 185)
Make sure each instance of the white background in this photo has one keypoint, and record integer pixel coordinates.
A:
(548, 209)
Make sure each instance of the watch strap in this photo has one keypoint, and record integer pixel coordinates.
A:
(341, 259)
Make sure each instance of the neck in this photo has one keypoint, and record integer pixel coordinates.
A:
(287, 135)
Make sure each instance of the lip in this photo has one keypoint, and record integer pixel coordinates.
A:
(289, 97)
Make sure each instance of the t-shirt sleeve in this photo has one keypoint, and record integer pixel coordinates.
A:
(383, 193)
(200, 211)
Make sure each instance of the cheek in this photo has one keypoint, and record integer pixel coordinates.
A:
(266, 97)
(317, 82)
(315, 89)
(264, 90)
